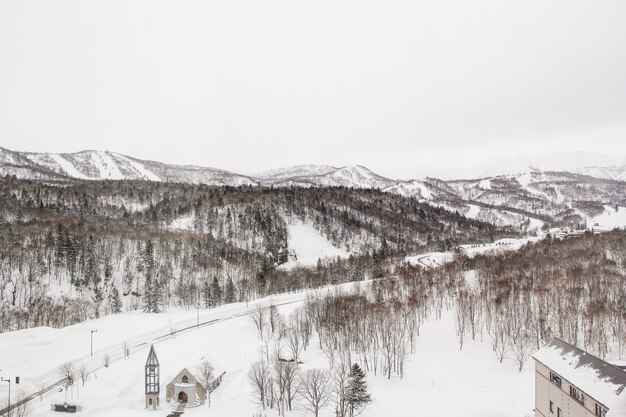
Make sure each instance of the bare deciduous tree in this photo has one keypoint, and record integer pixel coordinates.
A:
(83, 373)
(67, 373)
(260, 379)
(258, 318)
(205, 376)
(315, 390)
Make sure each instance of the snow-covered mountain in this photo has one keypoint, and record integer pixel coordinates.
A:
(356, 176)
(297, 172)
(572, 161)
(104, 165)
(615, 172)
(525, 199)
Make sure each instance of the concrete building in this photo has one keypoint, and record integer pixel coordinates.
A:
(570, 382)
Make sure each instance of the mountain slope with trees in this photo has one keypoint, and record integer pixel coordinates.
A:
(68, 253)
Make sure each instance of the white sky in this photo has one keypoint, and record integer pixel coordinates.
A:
(247, 85)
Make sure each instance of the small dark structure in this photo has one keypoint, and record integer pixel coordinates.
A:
(65, 408)
(152, 380)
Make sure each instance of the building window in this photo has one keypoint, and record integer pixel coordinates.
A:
(600, 411)
(559, 412)
(551, 407)
(185, 379)
(556, 380)
(576, 394)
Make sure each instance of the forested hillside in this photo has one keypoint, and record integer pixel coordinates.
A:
(72, 252)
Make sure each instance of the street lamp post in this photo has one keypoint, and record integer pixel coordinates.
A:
(9, 406)
(92, 332)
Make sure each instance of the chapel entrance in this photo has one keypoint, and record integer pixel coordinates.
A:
(182, 397)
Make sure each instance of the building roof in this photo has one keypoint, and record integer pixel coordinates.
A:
(595, 377)
(152, 357)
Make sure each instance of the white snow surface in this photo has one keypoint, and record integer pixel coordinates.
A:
(424, 191)
(524, 179)
(67, 166)
(106, 166)
(611, 218)
(411, 189)
(473, 211)
(139, 168)
(306, 245)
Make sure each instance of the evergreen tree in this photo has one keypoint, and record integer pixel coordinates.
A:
(115, 302)
(377, 267)
(148, 257)
(206, 294)
(357, 396)
(229, 291)
(216, 293)
(180, 290)
(260, 283)
(152, 296)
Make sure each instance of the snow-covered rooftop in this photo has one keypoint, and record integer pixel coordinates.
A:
(595, 377)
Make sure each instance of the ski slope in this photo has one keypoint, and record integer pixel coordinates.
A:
(306, 245)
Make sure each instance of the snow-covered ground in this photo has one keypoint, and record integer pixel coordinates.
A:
(440, 380)
(611, 218)
(306, 245)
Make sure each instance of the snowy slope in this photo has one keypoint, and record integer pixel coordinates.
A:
(306, 245)
(612, 217)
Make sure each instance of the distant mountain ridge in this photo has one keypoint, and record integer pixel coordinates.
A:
(526, 200)
(106, 165)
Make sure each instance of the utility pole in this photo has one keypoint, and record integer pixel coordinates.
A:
(9, 407)
(92, 332)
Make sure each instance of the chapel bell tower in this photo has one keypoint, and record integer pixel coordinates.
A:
(152, 380)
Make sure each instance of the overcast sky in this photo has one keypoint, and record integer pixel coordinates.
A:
(248, 85)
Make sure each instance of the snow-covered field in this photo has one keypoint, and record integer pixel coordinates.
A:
(440, 380)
